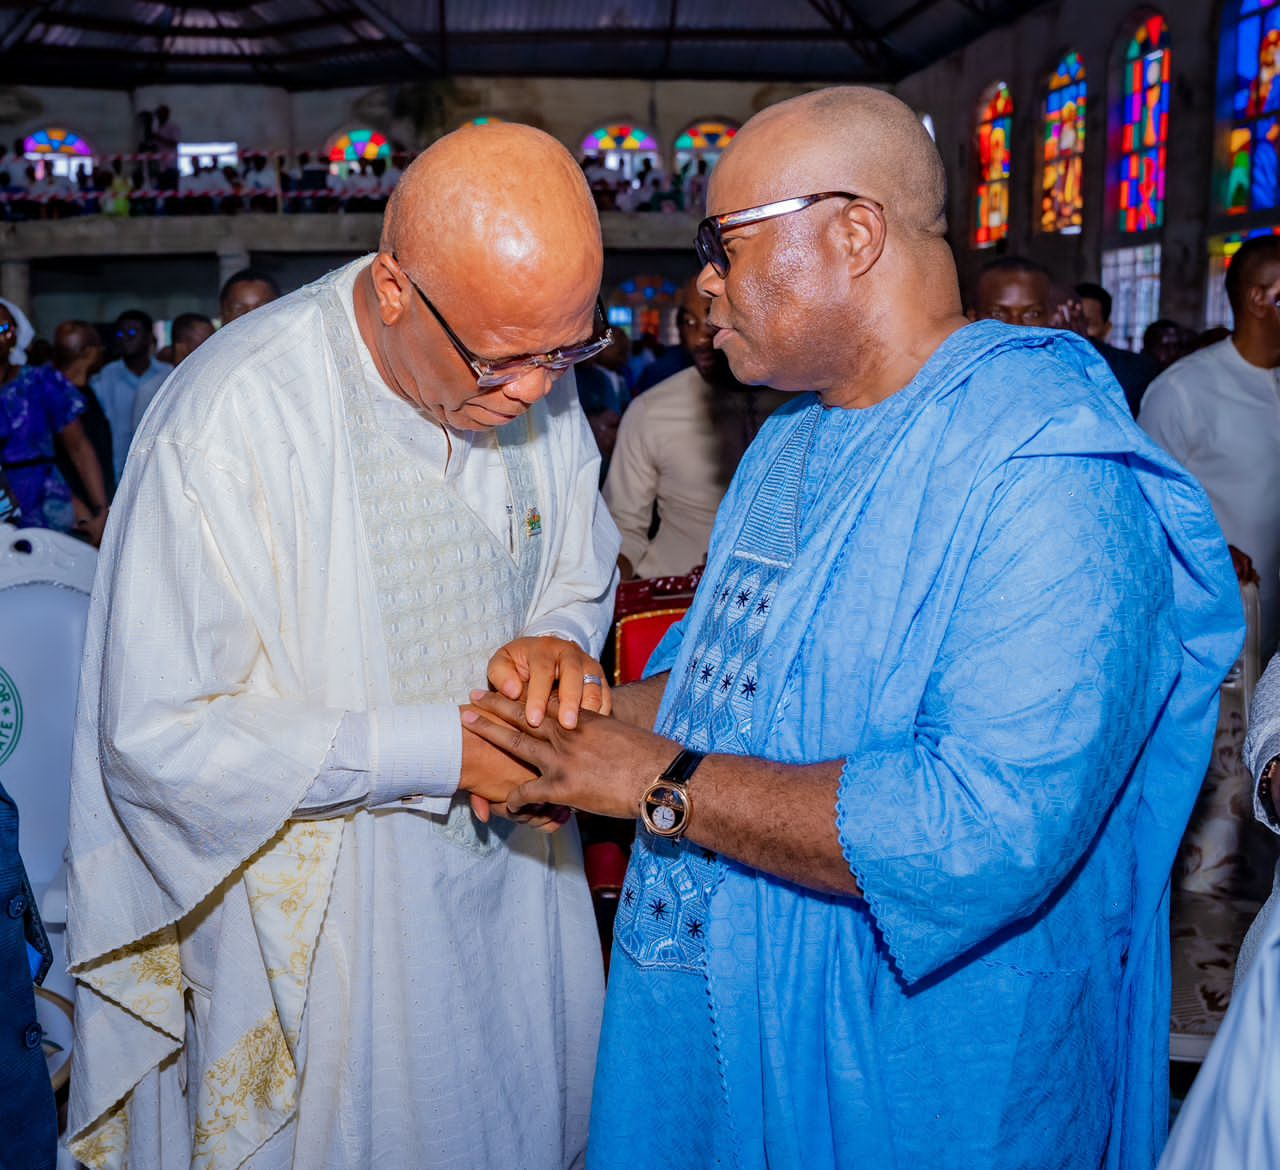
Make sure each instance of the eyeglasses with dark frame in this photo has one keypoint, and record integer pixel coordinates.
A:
(709, 242)
(503, 371)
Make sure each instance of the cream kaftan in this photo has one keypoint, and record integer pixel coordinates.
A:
(395, 987)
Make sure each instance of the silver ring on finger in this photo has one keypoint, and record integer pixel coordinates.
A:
(592, 680)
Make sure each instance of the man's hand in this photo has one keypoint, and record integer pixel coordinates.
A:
(489, 776)
(602, 767)
(532, 667)
(1070, 315)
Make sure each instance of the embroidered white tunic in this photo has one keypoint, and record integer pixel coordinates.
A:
(395, 986)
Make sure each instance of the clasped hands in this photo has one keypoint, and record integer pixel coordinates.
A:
(539, 743)
(534, 674)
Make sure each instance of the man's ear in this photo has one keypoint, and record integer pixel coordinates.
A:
(390, 287)
(863, 227)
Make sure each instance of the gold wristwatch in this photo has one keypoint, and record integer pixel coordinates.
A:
(665, 806)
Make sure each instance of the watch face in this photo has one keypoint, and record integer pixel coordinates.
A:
(664, 817)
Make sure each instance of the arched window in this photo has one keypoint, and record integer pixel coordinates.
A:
(1249, 106)
(1247, 181)
(484, 120)
(703, 140)
(1144, 128)
(1062, 181)
(991, 194)
(357, 145)
(57, 151)
(622, 146)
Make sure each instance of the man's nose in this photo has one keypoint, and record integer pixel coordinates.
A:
(533, 386)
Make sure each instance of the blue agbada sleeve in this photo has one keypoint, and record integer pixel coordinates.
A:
(1056, 659)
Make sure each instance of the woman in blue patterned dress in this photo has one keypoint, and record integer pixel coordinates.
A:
(37, 407)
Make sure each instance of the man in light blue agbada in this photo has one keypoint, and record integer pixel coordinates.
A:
(928, 737)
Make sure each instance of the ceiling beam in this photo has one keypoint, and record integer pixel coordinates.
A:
(394, 30)
(88, 22)
(861, 37)
(22, 25)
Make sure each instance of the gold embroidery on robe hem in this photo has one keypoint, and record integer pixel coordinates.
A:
(103, 1145)
(257, 1076)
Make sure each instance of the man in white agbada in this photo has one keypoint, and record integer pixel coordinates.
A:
(295, 944)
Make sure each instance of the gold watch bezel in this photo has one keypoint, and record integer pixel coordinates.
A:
(648, 803)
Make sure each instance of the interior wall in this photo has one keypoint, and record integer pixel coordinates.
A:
(1023, 54)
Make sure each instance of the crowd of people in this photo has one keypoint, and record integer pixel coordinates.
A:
(67, 419)
(649, 189)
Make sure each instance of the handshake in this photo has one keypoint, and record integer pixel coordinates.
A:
(547, 677)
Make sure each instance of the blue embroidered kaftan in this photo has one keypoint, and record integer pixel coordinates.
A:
(1009, 613)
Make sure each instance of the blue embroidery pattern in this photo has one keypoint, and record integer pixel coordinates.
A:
(662, 917)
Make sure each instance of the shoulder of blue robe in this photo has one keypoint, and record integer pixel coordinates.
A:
(1021, 393)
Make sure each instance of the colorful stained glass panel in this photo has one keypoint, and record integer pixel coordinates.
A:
(1062, 183)
(360, 144)
(618, 136)
(55, 140)
(1248, 102)
(704, 136)
(991, 195)
(1144, 128)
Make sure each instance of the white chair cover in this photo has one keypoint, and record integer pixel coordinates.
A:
(45, 579)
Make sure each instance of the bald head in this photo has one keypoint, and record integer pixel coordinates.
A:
(846, 294)
(500, 212)
(848, 138)
(490, 258)
(73, 341)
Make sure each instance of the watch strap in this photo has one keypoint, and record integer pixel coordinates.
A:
(682, 768)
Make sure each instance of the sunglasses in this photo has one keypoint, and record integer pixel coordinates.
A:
(5, 329)
(709, 242)
(503, 371)
(128, 331)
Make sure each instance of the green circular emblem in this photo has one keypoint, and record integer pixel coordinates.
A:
(10, 717)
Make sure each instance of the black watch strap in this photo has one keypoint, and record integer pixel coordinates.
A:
(682, 768)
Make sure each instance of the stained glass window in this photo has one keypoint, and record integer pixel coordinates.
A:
(620, 136)
(1062, 183)
(703, 140)
(622, 147)
(57, 151)
(1249, 105)
(1132, 277)
(485, 120)
(1144, 128)
(645, 304)
(1217, 309)
(991, 198)
(359, 144)
(55, 140)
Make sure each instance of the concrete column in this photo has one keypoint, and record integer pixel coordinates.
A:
(232, 256)
(15, 283)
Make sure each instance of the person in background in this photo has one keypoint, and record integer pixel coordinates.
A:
(15, 343)
(39, 410)
(78, 355)
(1231, 1117)
(677, 449)
(1217, 412)
(1165, 342)
(244, 291)
(603, 403)
(189, 331)
(166, 134)
(28, 1114)
(135, 371)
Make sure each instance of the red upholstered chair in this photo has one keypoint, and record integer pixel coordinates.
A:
(643, 612)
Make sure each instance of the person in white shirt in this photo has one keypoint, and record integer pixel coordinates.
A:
(298, 943)
(678, 446)
(1218, 413)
